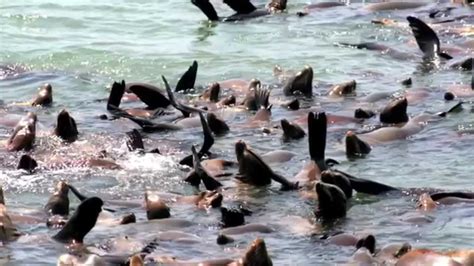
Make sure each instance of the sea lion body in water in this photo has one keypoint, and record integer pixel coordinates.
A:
(244, 9)
(300, 83)
(81, 222)
(24, 134)
(253, 170)
(66, 127)
(8, 231)
(44, 96)
(58, 203)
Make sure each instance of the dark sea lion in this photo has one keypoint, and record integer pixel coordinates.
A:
(155, 207)
(363, 114)
(291, 131)
(250, 101)
(206, 146)
(212, 93)
(244, 9)
(253, 170)
(224, 240)
(231, 217)
(407, 82)
(66, 127)
(216, 124)
(128, 219)
(292, 105)
(332, 202)
(301, 82)
(383, 49)
(355, 147)
(58, 203)
(151, 95)
(44, 96)
(27, 163)
(188, 79)
(209, 182)
(395, 112)
(339, 180)
(8, 231)
(257, 254)
(343, 89)
(24, 134)
(185, 109)
(81, 222)
(135, 142)
(426, 39)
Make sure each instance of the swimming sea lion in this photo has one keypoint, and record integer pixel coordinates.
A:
(244, 9)
(428, 202)
(66, 127)
(343, 89)
(155, 207)
(231, 217)
(332, 202)
(253, 170)
(355, 147)
(363, 114)
(250, 101)
(212, 93)
(301, 82)
(44, 96)
(264, 110)
(81, 222)
(395, 112)
(257, 254)
(216, 124)
(27, 163)
(430, 257)
(339, 180)
(8, 231)
(209, 199)
(23, 135)
(58, 203)
(291, 131)
(209, 182)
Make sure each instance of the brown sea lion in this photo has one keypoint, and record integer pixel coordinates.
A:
(44, 96)
(58, 203)
(394, 5)
(212, 93)
(343, 89)
(217, 125)
(253, 170)
(155, 207)
(66, 127)
(206, 146)
(355, 147)
(256, 254)
(291, 131)
(24, 134)
(8, 231)
(300, 83)
(81, 222)
(199, 174)
(430, 257)
(27, 163)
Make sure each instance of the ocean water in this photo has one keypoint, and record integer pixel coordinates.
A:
(81, 47)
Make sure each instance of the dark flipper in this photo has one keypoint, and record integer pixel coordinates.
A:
(116, 94)
(285, 183)
(188, 79)
(262, 98)
(206, 8)
(209, 182)
(241, 6)
(150, 95)
(317, 130)
(367, 186)
(134, 140)
(426, 38)
(442, 195)
(186, 110)
(206, 146)
(82, 197)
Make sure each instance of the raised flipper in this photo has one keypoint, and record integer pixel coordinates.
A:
(206, 146)
(186, 110)
(149, 94)
(262, 98)
(188, 79)
(134, 141)
(241, 6)
(317, 130)
(82, 197)
(206, 8)
(367, 186)
(426, 38)
(145, 124)
(209, 182)
(116, 94)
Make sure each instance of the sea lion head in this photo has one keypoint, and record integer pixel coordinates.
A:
(332, 202)
(254, 84)
(231, 217)
(210, 199)
(257, 254)
(344, 89)
(229, 100)
(339, 180)
(58, 203)
(44, 96)
(224, 240)
(426, 203)
(291, 131)
(216, 124)
(240, 148)
(155, 207)
(292, 105)
(363, 114)
(355, 147)
(395, 112)
(276, 6)
(212, 93)
(66, 127)
(128, 219)
(367, 242)
(27, 163)
(302, 82)
(81, 222)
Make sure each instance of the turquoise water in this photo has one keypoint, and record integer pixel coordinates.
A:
(81, 47)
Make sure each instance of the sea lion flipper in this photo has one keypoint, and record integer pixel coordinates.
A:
(426, 38)
(76, 192)
(317, 130)
(262, 98)
(209, 182)
(116, 94)
(367, 186)
(207, 8)
(150, 95)
(241, 6)
(186, 110)
(188, 79)
(285, 183)
(208, 138)
(134, 141)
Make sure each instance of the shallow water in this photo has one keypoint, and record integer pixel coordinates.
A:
(80, 47)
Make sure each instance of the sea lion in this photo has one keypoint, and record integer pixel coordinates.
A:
(301, 82)
(27, 163)
(429, 202)
(344, 89)
(44, 96)
(247, 228)
(430, 257)
(250, 102)
(206, 146)
(291, 131)
(66, 127)
(212, 93)
(58, 203)
(231, 217)
(208, 199)
(23, 135)
(395, 112)
(224, 240)
(8, 231)
(244, 9)
(342, 239)
(363, 114)
(200, 173)
(253, 170)
(355, 147)
(318, 6)
(394, 5)
(257, 254)
(184, 109)
(292, 105)
(155, 207)
(81, 222)
(332, 202)
(216, 124)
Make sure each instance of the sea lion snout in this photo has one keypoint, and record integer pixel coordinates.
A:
(395, 112)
